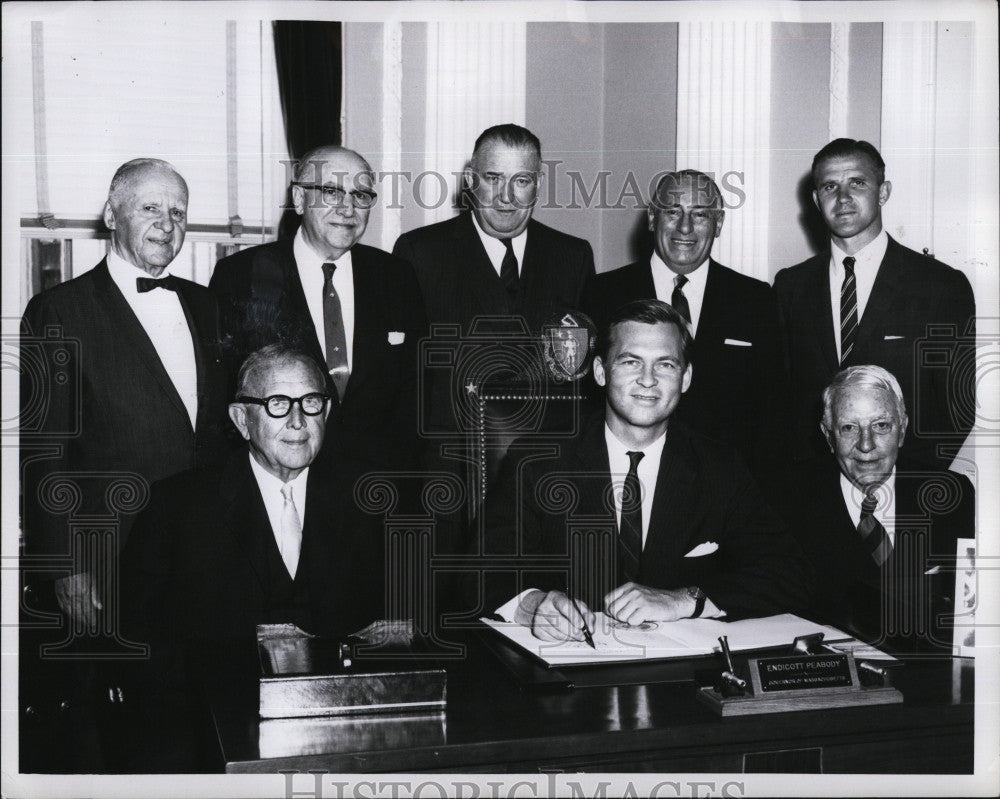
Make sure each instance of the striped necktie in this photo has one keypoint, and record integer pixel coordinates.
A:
(872, 533)
(848, 311)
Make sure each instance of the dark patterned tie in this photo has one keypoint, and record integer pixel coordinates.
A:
(336, 336)
(872, 533)
(508, 268)
(144, 284)
(630, 534)
(678, 300)
(848, 310)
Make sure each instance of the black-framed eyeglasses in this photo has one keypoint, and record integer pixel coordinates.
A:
(336, 195)
(278, 406)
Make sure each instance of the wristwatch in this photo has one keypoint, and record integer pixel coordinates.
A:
(699, 598)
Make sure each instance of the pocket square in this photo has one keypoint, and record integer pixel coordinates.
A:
(892, 338)
(704, 548)
(735, 342)
(396, 337)
(932, 570)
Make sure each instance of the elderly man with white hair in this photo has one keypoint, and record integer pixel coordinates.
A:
(880, 530)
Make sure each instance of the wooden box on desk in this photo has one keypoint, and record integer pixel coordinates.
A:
(302, 675)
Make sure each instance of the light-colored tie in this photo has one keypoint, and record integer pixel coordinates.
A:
(291, 531)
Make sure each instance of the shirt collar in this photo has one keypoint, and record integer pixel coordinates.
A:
(615, 445)
(872, 253)
(308, 260)
(124, 274)
(495, 246)
(696, 279)
(268, 482)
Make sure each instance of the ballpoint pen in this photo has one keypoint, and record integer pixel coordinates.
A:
(586, 630)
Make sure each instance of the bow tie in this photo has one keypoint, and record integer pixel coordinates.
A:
(144, 284)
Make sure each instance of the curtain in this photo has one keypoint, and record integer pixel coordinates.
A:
(308, 57)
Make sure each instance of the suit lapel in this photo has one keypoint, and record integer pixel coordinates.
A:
(478, 273)
(882, 302)
(202, 321)
(675, 502)
(820, 308)
(244, 514)
(713, 314)
(131, 329)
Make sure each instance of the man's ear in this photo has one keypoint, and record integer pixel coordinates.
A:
(238, 413)
(599, 376)
(651, 217)
(299, 199)
(109, 216)
(884, 191)
(686, 379)
(827, 434)
(816, 199)
(904, 421)
(468, 178)
(718, 225)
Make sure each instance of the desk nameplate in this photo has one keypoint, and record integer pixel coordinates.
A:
(802, 682)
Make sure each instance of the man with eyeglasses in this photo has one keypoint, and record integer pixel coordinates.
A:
(737, 391)
(356, 309)
(272, 536)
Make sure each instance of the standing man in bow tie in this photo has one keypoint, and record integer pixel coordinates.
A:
(869, 300)
(356, 309)
(145, 394)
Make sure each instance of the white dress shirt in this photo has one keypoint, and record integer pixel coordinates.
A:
(310, 266)
(867, 260)
(162, 317)
(270, 491)
(885, 511)
(694, 289)
(496, 250)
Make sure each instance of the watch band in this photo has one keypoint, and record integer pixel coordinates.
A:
(699, 597)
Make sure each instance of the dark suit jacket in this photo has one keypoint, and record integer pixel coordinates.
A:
(459, 283)
(552, 517)
(933, 509)
(935, 368)
(105, 408)
(196, 566)
(738, 393)
(262, 302)
(202, 569)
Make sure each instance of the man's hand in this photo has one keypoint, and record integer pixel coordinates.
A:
(634, 604)
(78, 599)
(554, 616)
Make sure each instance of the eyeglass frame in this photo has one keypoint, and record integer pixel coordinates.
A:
(291, 403)
(354, 194)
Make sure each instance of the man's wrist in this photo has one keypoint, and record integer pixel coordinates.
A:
(698, 599)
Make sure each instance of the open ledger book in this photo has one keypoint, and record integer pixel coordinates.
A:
(616, 641)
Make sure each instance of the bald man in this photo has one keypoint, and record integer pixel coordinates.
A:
(137, 392)
(737, 390)
(355, 309)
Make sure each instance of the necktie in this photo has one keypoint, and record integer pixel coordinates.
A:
(872, 532)
(678, 300)
(848, 310)
(144, 284)
(630, 534)
(291, 531)
(336, 336)
(508, 268)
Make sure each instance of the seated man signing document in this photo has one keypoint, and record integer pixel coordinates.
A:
(637, 515)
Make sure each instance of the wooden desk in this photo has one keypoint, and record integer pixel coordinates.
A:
(491, 725)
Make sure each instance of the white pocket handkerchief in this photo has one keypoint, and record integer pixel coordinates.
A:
(396, 337)
(704, 548)
(892, 338)
(738, 342)
(932, 570)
